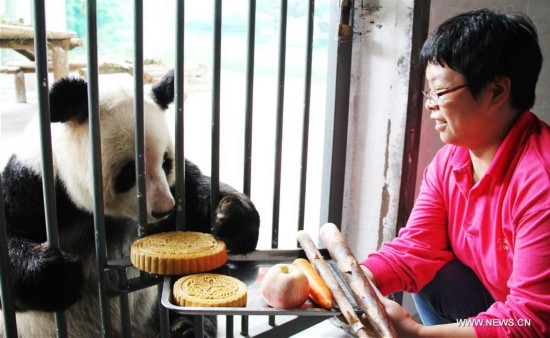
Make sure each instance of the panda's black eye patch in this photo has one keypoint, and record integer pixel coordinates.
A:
(126, 178)
(167, 164)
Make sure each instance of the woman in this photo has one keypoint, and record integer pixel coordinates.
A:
(477, 243)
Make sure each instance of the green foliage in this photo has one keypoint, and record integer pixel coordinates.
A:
(114, 24)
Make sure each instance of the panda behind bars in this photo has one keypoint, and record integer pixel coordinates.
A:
(46, 279)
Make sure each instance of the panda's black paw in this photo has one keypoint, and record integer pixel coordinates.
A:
(237, 223)
(184, 327)
(50, 280)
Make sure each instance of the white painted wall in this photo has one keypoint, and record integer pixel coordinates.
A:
(378, 101)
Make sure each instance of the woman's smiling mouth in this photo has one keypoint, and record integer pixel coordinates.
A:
(440, 123)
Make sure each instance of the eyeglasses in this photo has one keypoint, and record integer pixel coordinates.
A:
(434, 96)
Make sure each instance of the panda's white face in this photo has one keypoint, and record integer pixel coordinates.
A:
(73, 160)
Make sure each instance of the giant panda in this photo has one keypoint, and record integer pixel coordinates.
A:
(47, 279)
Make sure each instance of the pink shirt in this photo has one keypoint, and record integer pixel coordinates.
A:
(499, 227)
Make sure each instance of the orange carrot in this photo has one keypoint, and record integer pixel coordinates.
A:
(318, 290)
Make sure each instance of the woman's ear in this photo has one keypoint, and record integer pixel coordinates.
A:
(501, 88)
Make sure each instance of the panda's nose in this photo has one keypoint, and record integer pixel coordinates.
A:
(160, 214)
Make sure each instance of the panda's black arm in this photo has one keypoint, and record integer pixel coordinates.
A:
(43, 278)
(236, 220)
(23, 201)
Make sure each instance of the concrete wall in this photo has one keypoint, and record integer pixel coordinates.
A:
(378, 100)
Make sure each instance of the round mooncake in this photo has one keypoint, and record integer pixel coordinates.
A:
(209, 290)
(178, 253)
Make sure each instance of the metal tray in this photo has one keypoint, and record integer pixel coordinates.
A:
(250, 270)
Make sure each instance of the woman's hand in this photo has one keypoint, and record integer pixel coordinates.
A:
(404, 324)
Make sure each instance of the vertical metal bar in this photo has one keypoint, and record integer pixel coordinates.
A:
(421, 19)
(48, 183)
(125, 322)
(229, 326)
(164, 315)
(279, 128)
(244, 326)
(95, 140)
(341, 114)
(249, 113)
(199, 326)
(271, 321)
(6, 287)
(141, 194)
(305, 126)
(179, 100)
(249, 96)
(139, 119)
(215, 156)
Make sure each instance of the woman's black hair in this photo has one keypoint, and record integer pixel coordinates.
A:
(482, 45)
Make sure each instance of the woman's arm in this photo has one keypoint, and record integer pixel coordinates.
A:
(408, 327)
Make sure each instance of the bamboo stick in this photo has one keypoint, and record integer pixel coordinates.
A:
(318, 262)
(361, 287)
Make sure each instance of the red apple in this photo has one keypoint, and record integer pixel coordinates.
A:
(285, 286)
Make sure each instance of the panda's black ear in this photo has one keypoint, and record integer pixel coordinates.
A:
(69, 100)
(163, 91)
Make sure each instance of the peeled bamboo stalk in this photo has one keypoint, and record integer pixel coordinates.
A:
(358, 282)
(318, 262)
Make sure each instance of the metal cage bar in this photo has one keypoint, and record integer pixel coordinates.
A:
(249, 116)
(305, 126)
(250, 39)
(413, 124)
(179, 99)
(341, 115)
(141, 194)
(95, 141)
(216, 77)
(279, 127)
(48, 180)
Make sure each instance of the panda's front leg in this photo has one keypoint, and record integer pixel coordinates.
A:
(43, 278)
(236, 221)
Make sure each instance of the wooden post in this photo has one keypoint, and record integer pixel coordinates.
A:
(60, 62)
(20, 90)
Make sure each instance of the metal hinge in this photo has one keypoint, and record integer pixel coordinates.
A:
(345, 27)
